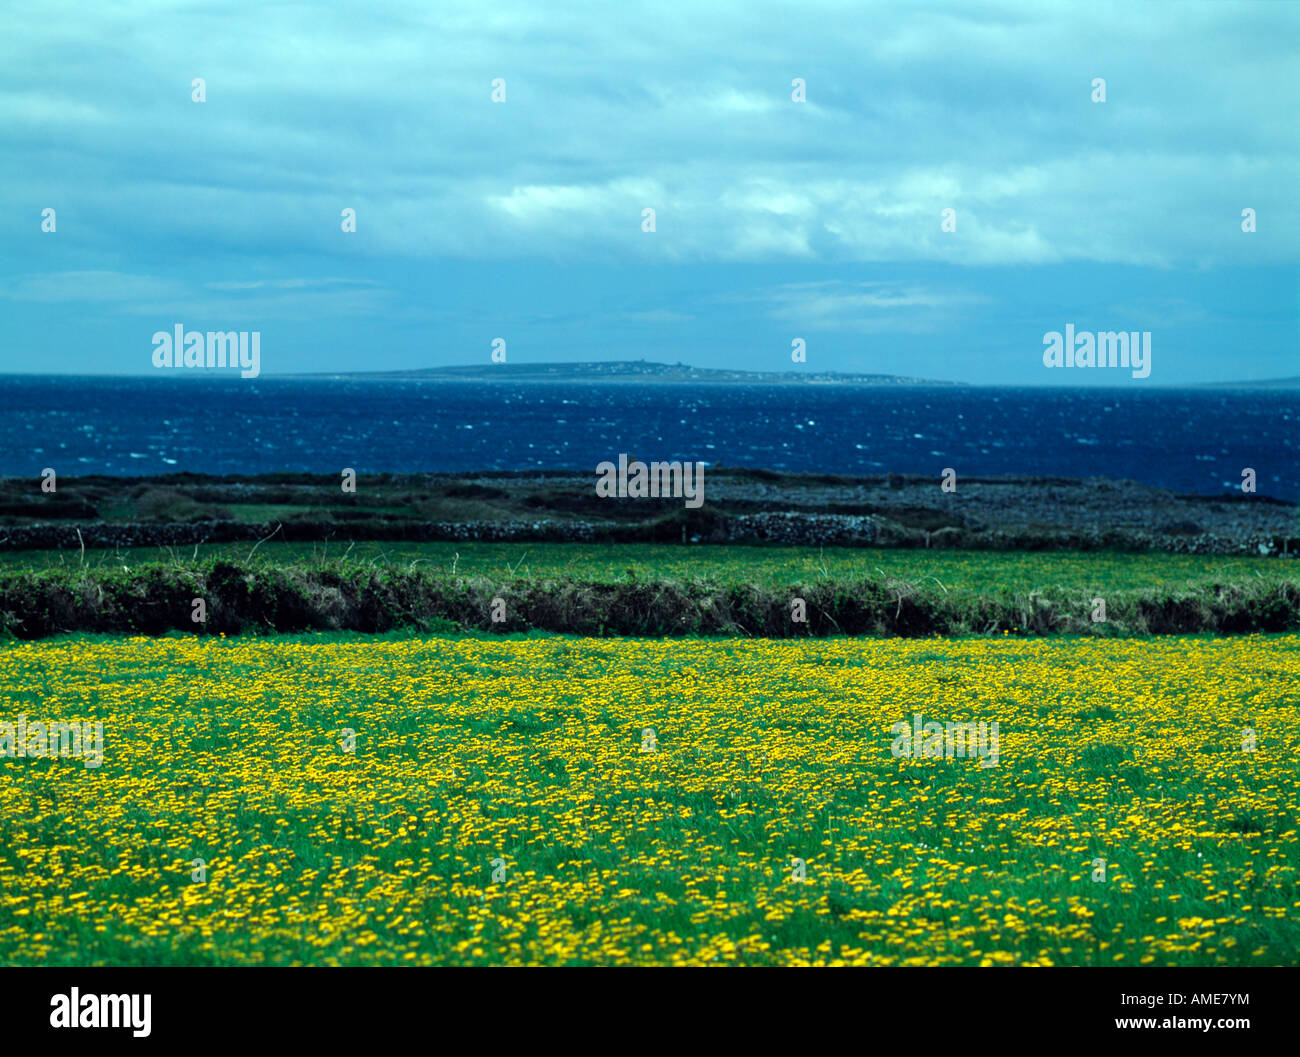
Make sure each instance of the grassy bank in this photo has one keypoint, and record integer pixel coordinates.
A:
(235, 597)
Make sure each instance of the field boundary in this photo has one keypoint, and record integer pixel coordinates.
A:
(154, 599)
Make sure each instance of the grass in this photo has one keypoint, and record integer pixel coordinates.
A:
(212, 597)
(499, 808)
(765, 566)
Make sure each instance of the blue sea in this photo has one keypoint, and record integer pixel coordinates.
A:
(1187, 440)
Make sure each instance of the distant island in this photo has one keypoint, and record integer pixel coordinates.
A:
(1263, 383)
(622, 371)
(651, 371)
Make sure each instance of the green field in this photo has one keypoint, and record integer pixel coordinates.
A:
(502, 804)
(768, 566)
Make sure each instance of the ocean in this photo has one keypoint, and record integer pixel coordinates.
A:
(1187, 440)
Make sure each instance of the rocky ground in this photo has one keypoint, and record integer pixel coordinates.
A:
(993, 509)
(739, 505)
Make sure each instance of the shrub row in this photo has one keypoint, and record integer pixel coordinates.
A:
(154, 599)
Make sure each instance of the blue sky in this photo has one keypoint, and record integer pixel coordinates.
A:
(774, 219)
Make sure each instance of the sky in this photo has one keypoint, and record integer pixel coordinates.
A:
(774, 219)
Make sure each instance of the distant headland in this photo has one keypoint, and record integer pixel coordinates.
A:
(623, 371)
(668, 373)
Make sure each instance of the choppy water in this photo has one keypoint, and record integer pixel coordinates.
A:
(1188, 440)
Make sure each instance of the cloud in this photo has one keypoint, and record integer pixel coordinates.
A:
(862, 307)
(984, 109)
(287, 284)
(523, 218)
(655, 316)
(144, 295)
(89, 285)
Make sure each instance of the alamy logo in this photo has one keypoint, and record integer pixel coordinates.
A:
(222, 348)
(102, 1011)
(1105, 349)
(936, 740)
(25, 740)
(637, 480)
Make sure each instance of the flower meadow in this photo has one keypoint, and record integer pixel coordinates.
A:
(555, 800)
